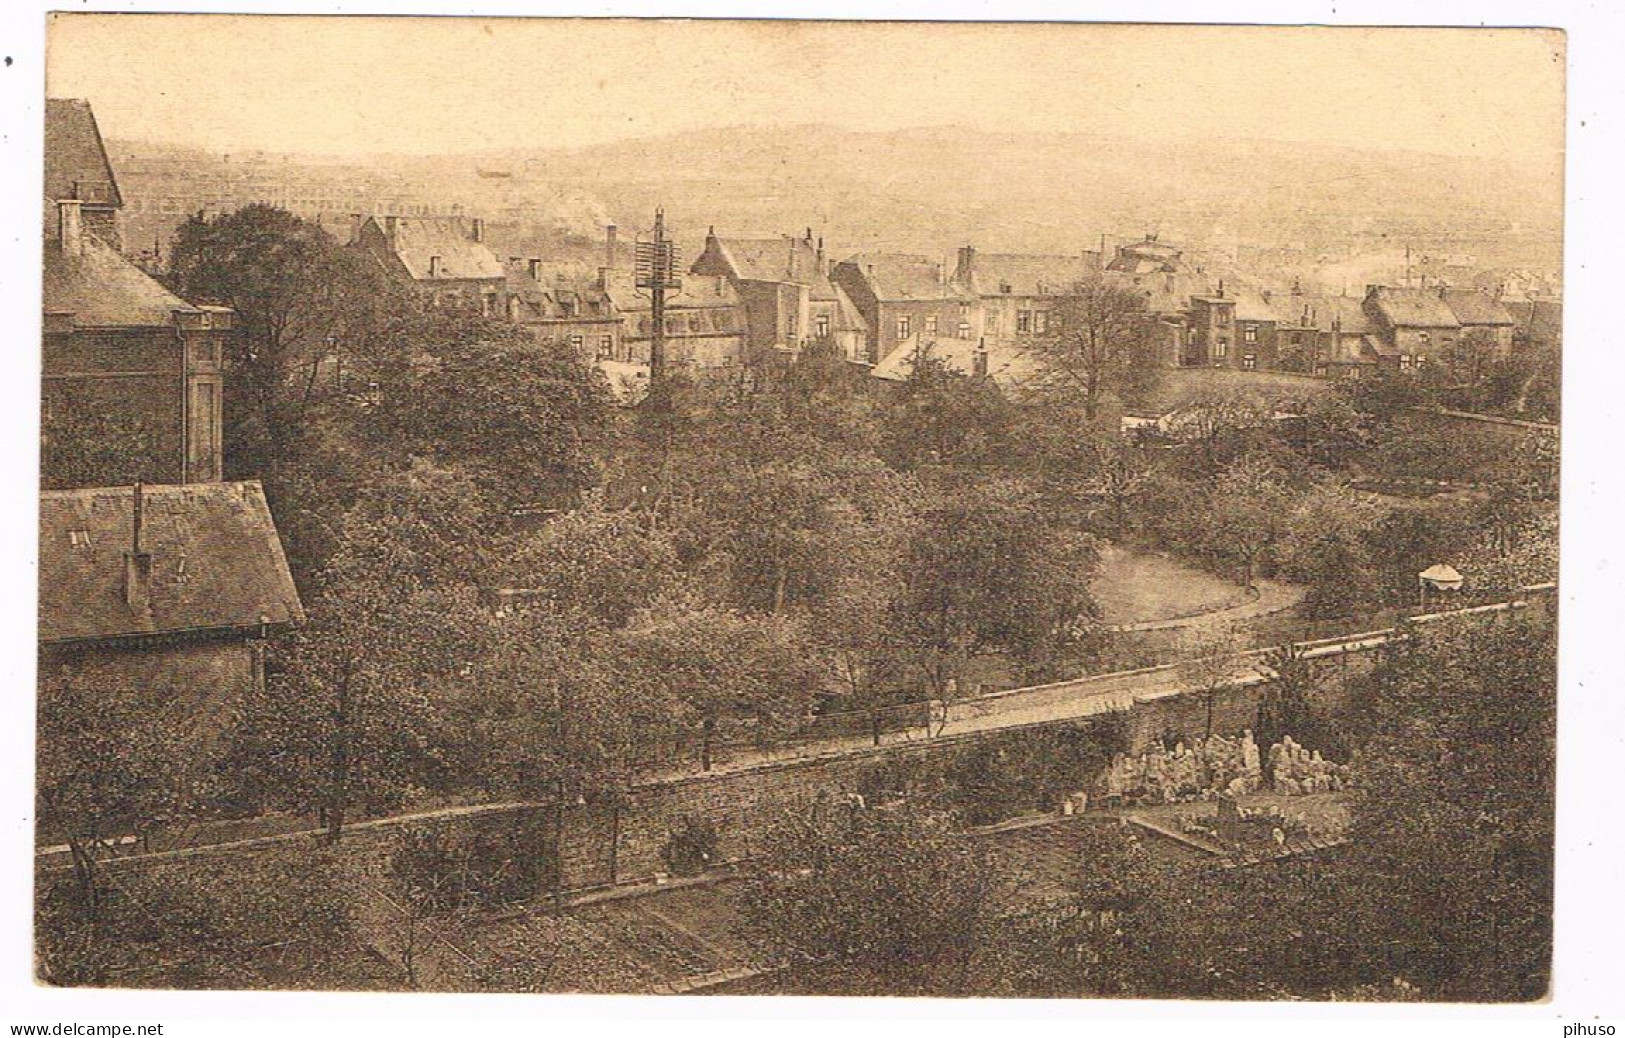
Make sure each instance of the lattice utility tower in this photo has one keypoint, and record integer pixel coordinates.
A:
(655, 263)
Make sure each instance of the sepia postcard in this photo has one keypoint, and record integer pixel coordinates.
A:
(983, 510)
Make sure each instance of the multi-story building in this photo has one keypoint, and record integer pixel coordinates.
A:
(1234, 330)
(159, 595)
(77, 169)
(785, 293)
(118, 348)
(443, 257)
(559, 303)
(1413, 326)
(1018, 294)
(905, 301)
(1479, 311)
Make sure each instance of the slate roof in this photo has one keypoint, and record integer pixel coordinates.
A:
(419, 237)
(847, 315)
(783, 260)
(1472, 307)
(1010, 367)
(901, 277)
(216, 561)
(1030, 275)
(1321, 312)
(74, 153)
(1413, 308)
(1541, 319)
(102, 289)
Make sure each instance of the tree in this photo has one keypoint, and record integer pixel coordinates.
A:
(528, 424)
(1453, 825)
(594, 561)
(112, 759)
(1325, 545)
(986, 571)
(83, 444)
(1100, 341)
(717, 667)
(297, 293)
(941, 416)
(1209, 665)
(1246, 509)
(895, 903)
(1222, 425)
(354, 713)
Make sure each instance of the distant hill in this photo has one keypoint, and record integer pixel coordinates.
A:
(932, 189)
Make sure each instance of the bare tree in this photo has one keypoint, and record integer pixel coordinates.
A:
(1099, 341)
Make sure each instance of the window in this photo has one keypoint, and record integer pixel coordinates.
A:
(931, 324)
(1404, 362)
(606, 347)
(1249, 333)
(1040, 322)
(1248, 362)
(1223, 314)
(1221, 347)
(991, 322)
(693, 322)
(1024, 321)
(576, 341)
(1422, 337)
(964, 329)
(643, 326)
(790, 325)
(821, 324)
(904, 327)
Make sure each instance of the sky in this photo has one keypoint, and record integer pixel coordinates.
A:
(351, 86)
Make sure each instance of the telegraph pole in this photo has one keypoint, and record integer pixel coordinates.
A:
(657, 272)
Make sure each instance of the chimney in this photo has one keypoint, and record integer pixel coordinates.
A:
(137, 563)
(389, 230)
(610, 233)
(478, 229)
(1297, 287)
(821, 268)
(535, 266)
(70, 224)
(793, 272)
(434, 266)
(1221, 288)
(967, 263)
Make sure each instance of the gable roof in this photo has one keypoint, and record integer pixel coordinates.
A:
(1009, 366)
(783, 260)
(1539, 319)
(1472, 307)
(1323, 312)
(1025, 275)
(896, 277)
(74, 155)
(1412, 307)
(847, 315)
(102, 289)
(216, 561)
(417, 238)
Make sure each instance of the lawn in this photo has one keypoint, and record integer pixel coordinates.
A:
(1134, 587)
